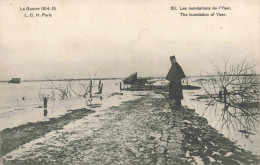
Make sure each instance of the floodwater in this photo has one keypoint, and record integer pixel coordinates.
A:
(222, 120)
(22, 103)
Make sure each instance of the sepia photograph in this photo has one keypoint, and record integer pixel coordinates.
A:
(126, 82)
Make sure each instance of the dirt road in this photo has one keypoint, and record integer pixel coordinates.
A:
(142, 131)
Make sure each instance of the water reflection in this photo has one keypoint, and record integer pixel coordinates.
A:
(242, 119)
(238, 121)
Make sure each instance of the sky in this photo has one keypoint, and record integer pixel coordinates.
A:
(114, 38)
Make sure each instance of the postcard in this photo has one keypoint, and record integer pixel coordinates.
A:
(129, 82)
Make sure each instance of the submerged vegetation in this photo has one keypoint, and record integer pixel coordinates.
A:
(236, 87)
(70, 88)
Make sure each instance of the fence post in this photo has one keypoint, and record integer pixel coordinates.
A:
(120, 86)
(45, 112)
(45, 102)
(99, 84)
(100, 89)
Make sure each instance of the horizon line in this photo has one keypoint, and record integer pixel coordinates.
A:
(113, 78)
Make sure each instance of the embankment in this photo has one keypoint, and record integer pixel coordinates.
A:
(11, 139)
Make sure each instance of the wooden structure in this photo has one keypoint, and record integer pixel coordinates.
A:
(15, 80)
(130, 80)
(133, 80)
(100, 87)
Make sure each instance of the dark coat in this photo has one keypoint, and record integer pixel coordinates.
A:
(175, 75)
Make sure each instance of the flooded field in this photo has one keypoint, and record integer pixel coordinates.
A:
(233, 127)
(15, 111)
(20, 104)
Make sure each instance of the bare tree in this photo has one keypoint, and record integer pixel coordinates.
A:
(63, 91)
(237, 86)
(67, 89)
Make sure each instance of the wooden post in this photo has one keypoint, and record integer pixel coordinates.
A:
(90, 88)
(99, 84)
(45, 112)
(45, 101)
(120, 86)
(100, 87)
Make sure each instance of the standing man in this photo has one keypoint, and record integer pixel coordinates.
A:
(175, 75)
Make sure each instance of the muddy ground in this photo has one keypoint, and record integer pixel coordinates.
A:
(142, 131)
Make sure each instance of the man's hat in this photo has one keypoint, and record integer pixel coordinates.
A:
(172, 58)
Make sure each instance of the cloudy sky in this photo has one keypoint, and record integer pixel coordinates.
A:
(114, 38)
